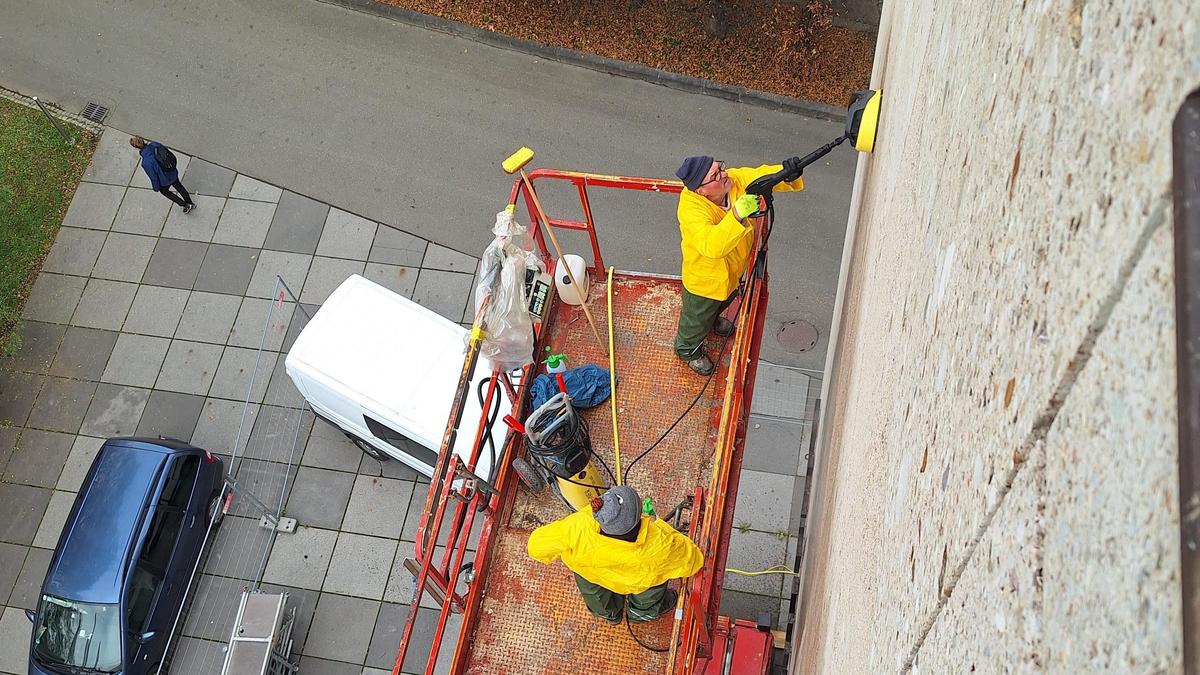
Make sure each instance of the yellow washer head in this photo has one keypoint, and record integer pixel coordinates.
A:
(862, 119)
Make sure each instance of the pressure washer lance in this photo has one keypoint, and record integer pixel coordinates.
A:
(557, 438)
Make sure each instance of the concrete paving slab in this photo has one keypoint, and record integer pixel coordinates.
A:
(764, 501)
(328, 448)
(115, 411)
(238, 369)
(319, 497)
(156, 310)
(385, 642)
(401, 280)
(252, 321)
(749, 606)
(300, 559)
(773, 445)
(94, 206)
(171, 414)
(753, 551)
(15, 631)
(441, 258)
(61, 405)
(238, 547)
(376, 505)
(74, 251)
(381, 671)
(38, 458)
(412, 515)
(341, 628)
(198, 657)
(8, 443)
(104, 304)
(369, 466)
(360, 566)
(279, 433)
(443, 292)
(189, 367)
(214, 608)
(114, 161)
(297, 224)
(24, 505)
(219, 423)
(141, 180)
(346, 235)
(12, 557)
(208, 317)
(245, 187)
(244, 223)
(779, 391)
(416, 660)
(315, 666)
(54, 519)
(124, 257)
(293, 267)
(227, 269)
(39, 346)
(206, 178)
(401, 583)
(142, 212)
(396, 247)
(29, 582)
(83, 452)
(198, 225)
(53, 298)
(136, 360)
(18, 391)
(325, 275)
(305, 603)
(175, 263)
(83, 353)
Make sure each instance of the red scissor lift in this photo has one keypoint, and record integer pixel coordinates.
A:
(519, 616)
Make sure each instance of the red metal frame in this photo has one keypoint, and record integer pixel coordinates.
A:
(710, 523)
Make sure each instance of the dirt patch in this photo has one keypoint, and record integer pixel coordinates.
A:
(763, 52)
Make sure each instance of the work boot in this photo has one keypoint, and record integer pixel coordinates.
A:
(701, 363)
(670, 597)
(723, 327)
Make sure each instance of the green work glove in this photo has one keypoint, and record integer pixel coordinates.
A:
(745, 205)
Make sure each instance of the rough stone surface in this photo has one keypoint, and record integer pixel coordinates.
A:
(998, 222)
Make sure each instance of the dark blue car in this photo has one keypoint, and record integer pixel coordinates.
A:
(121, 569)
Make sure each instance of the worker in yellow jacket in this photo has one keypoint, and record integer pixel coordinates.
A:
(716, 243)
(616, 551)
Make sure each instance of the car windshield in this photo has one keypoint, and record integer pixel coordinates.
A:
(77, 635)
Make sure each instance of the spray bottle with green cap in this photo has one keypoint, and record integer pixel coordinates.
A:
(555, 363)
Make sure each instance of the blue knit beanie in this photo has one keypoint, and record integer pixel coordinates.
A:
(693, 170)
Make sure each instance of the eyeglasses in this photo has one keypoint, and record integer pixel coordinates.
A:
(716, 176)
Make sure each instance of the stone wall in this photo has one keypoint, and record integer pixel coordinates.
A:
(996, 478)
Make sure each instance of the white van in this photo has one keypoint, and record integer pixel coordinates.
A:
(385, 371)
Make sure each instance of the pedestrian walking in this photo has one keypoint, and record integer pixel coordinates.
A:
(159, 163)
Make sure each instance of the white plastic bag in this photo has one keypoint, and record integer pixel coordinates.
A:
(501, 306)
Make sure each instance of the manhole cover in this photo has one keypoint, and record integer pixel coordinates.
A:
(798, 336)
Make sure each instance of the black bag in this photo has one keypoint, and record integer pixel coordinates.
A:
(165, 158)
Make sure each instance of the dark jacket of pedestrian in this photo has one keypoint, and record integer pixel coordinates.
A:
(159, 178)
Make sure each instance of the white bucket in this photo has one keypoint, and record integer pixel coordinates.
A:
(562, 283)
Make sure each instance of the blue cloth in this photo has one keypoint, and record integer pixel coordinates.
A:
(586, 385)
(159, 178)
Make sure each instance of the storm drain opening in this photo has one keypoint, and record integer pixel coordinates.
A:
(798, 336)
(95, 112)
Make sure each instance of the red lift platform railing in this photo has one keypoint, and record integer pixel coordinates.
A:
(457, 497)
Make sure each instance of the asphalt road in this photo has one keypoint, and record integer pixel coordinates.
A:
(408, 126)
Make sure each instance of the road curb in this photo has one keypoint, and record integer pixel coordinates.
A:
(602, 64)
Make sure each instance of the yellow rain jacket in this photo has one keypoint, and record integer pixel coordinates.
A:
(626, 567)
(716, 246)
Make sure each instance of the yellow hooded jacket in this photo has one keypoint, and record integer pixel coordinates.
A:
(716, 246)
(626, 567)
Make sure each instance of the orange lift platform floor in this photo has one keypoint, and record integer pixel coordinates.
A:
(518, 616)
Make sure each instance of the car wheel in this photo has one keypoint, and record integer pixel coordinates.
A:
(216, 511)
(368, 449)
(529, 475)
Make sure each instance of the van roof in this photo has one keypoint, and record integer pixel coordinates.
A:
(91, 558)
(402, 357)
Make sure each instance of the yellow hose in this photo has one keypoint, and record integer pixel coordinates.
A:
(777, 569)
(612, 380)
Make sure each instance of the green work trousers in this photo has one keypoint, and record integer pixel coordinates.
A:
(696, 318)
(605, 604)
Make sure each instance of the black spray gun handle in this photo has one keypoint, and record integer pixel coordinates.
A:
(764, 185)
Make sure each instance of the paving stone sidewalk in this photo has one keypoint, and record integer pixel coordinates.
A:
(146, 321)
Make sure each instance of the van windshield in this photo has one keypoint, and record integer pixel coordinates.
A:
(73, 636)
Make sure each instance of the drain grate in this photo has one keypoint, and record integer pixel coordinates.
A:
(95, 112)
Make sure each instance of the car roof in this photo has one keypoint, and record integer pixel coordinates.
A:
(90, 563)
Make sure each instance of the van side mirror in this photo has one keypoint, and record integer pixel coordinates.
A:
(31, 615)
(146, 637)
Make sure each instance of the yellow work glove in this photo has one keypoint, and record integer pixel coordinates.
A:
(745, 205)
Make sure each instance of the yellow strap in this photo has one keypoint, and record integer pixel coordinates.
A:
(612, 380)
